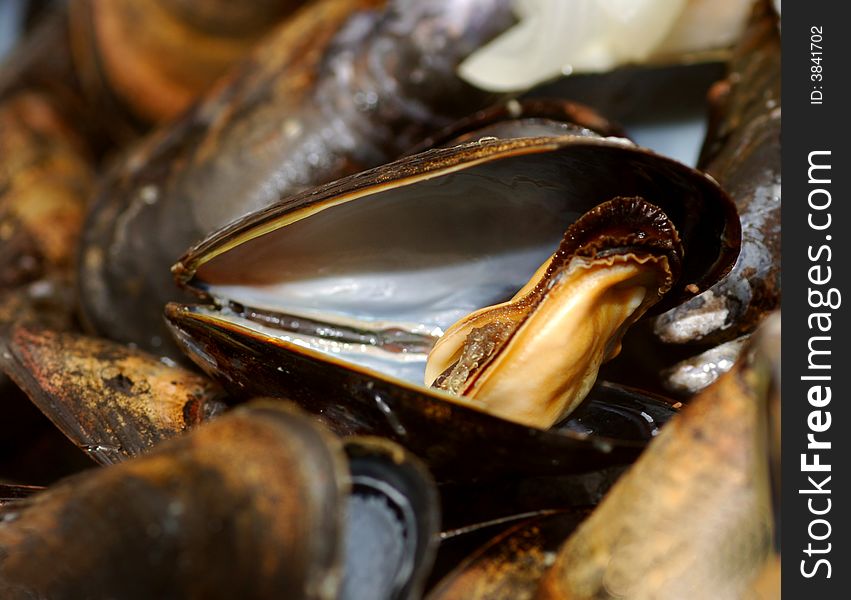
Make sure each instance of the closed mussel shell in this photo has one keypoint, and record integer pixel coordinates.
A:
(509, 566)
(341, 86)
(259, 503)
(392, 524)
(742, 151)
(234, 509)
(151, 58)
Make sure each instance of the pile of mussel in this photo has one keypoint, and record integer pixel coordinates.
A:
(325, 314)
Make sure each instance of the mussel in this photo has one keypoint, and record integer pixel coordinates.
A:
(259, 503)
(46, 174)
(117, 67)
(334, 297)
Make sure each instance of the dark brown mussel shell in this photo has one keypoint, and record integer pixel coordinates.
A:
(150, 58)
(256, 504)
(354, 401)
(232, 510)
(458, 206)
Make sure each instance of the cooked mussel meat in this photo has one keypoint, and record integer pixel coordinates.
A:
(534, 358)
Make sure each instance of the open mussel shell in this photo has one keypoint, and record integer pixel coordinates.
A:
(333, 298)
(255, 504)
(352, 400)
